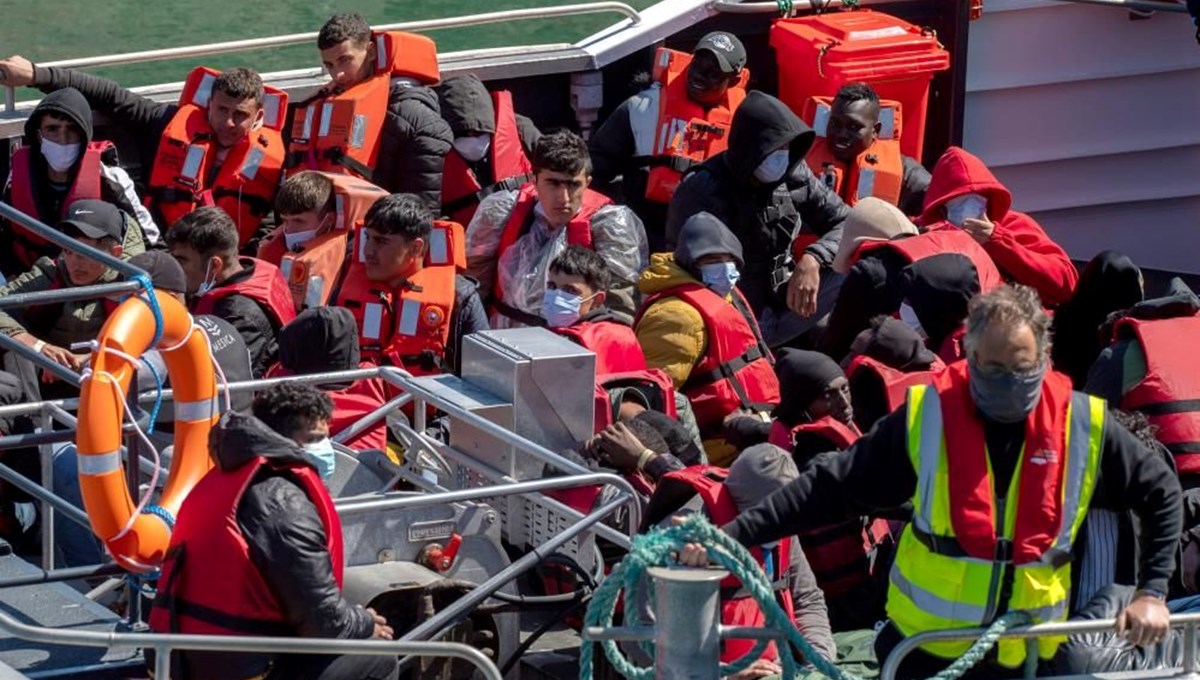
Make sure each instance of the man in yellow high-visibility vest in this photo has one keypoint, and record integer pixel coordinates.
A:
(1001, 461)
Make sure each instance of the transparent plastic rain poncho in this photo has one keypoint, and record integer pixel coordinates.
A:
(617, 235)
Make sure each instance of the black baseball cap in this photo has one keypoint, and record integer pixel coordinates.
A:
(164, 270)
(728, 50)
(94, 219)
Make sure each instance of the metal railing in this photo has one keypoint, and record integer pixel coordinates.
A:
(1142, 5)
(232, 46)
(1188, 622)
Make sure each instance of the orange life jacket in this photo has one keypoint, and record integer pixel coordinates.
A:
(680, 133)
(461, 190)
(738, 607)
(314, 270)
(736, 370)
(340, 132)
(246, 182)
(1169, 394)
(236, 598)
(579, 230)
(877, 171)
(409, 328)
(29, 246)
(937, 242)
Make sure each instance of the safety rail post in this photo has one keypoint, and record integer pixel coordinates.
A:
(10, 98)
(1189, 649)
(46, 460)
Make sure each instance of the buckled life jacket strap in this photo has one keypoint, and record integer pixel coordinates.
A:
(359, 168)
(214, 617)
(1167, 408)
(518, 315)
(725, 370)
(473, 199)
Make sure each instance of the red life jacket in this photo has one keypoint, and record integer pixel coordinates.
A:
(1170, 393)
(27, 245)
(840, 435)
(265, 286)
(952, 348)
(736, 370)
(409, 328)
(209, 584)
(615, 345)
(738, 608)
(351, 404)
(877, 171)
(244, 186)
(651, 383)
(340, 132)
(461, 191)
(579, 229)
(867, 373)
(681, 133)
(937, 242)
(1040, 475)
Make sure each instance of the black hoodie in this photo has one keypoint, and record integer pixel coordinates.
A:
(413, 145)
(938, 289)
(1110, 282)
(724, 185)
(286, 540)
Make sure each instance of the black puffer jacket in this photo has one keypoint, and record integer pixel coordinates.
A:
(286, 540)
(257, 328)
(725, 186)
(414, 143)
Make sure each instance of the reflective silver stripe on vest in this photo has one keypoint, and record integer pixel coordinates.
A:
(99, 463)
(195, 411)
(272, 111)
(204, 90)
(308, 120)
(866, 182)
(253, 160)
(928, 457)
(643, 119)
(1077, 465)
(887, 122)
(358, 131)
(381, 55)
(1052, 612)
(372, 320)
(410, 314)
(326, 119)
(821, 120)
(285, 267)
(439, 247)
(191, 162)
(932, 604)
(339, 207)
(315, 295)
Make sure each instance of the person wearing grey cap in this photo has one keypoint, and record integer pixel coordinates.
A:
(635, 141)
(696, 326)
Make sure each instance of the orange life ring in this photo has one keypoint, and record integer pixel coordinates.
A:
(139, 542)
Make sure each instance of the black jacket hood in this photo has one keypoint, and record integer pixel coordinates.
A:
(320, 340)
(1179, 301)
(68, 103)
(896, 345)
(762, 124)
(939, 288)
(237, 439)
(401, 92)
(467, 105)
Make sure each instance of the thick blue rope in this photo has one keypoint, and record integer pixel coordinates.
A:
(152, 300)
(657, 547)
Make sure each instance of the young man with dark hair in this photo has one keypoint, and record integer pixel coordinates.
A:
(405, 140)
(58, 164)
(304, 209)
(236, 136)
(250, 294)
(411, 305)
(576, 290)
(278, 537)
(515, 235)
(855, 143)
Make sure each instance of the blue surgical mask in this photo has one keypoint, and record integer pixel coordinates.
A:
(560, 308)
(773, 167)
(1005, 396)
(909, 316)
(965, 207)
(321, 454)
(720, 277)
(208, 283)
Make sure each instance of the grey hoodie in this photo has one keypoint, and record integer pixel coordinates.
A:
(702, 235)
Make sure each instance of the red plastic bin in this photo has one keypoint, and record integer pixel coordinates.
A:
(818, 54)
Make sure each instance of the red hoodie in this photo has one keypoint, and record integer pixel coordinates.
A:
(1020, 248)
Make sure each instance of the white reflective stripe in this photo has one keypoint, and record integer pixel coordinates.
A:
(932, 604)
(928, 457)
(1051, 612)
(97, 464)
(339, 207)
(308, 116)
(381, 55)
(315, 295)
(1079, 441)
(253, 160)
(204, 90)
(191, 162)
(362, 244)
(326, 119)
(887, 119)
(410, 314)
(285, 266)
(821, 120)
(372, 320)
(439, 247)
(272, 111)
(664, 59)
(675, 130)
(643, 120)
(194, 411)
(866, 182)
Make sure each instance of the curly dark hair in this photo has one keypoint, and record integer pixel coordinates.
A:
(289, 408)
(561, 151)
(579, 261)
(343, 27)
(240, 83)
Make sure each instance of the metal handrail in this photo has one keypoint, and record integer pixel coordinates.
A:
(1189, 622)
(1147, 5)
(164, 644)
(735, 7)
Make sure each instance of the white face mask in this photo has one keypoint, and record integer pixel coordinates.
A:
(965, 207)
(208, 284)
(298, 238)
(60, 157)
(473, 148)
(909, 316)
(773, 167)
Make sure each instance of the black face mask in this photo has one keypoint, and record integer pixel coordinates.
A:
(1005, 396)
